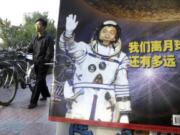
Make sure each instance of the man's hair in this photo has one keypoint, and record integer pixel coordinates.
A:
(42, 20)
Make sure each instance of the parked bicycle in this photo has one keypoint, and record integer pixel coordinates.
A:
(15, 68)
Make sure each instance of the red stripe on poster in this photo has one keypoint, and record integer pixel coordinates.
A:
(163, 129)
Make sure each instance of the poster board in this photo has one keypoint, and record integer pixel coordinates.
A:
(152, 46)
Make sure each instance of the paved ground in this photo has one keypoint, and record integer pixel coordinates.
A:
(16, 119)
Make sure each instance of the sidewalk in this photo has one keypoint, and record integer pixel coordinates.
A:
(16, 119)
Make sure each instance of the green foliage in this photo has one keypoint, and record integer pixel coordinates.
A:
(21, 36)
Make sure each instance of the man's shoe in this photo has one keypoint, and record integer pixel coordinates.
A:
(31, 106)
(43, 99)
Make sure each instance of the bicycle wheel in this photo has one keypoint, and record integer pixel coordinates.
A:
(8, 86)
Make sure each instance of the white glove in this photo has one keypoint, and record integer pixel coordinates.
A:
(121, 106)
(71, 25)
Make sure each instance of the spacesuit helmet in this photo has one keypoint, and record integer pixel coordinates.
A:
(116, 43)
(108, 23)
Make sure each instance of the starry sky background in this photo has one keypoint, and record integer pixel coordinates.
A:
(154, 99)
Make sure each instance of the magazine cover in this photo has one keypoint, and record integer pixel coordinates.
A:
(117, 64)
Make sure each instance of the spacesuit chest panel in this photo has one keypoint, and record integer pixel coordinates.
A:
(94, 67)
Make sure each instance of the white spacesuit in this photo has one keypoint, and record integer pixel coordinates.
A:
(100, 77)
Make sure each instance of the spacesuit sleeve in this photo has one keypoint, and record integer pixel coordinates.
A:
(121, 81)
(77, 50)
(123, 102)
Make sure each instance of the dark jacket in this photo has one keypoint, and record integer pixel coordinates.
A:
(42, 49)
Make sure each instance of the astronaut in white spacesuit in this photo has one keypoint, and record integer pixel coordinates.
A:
(100, 81)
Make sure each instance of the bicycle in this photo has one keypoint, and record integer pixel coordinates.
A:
(15, 69)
